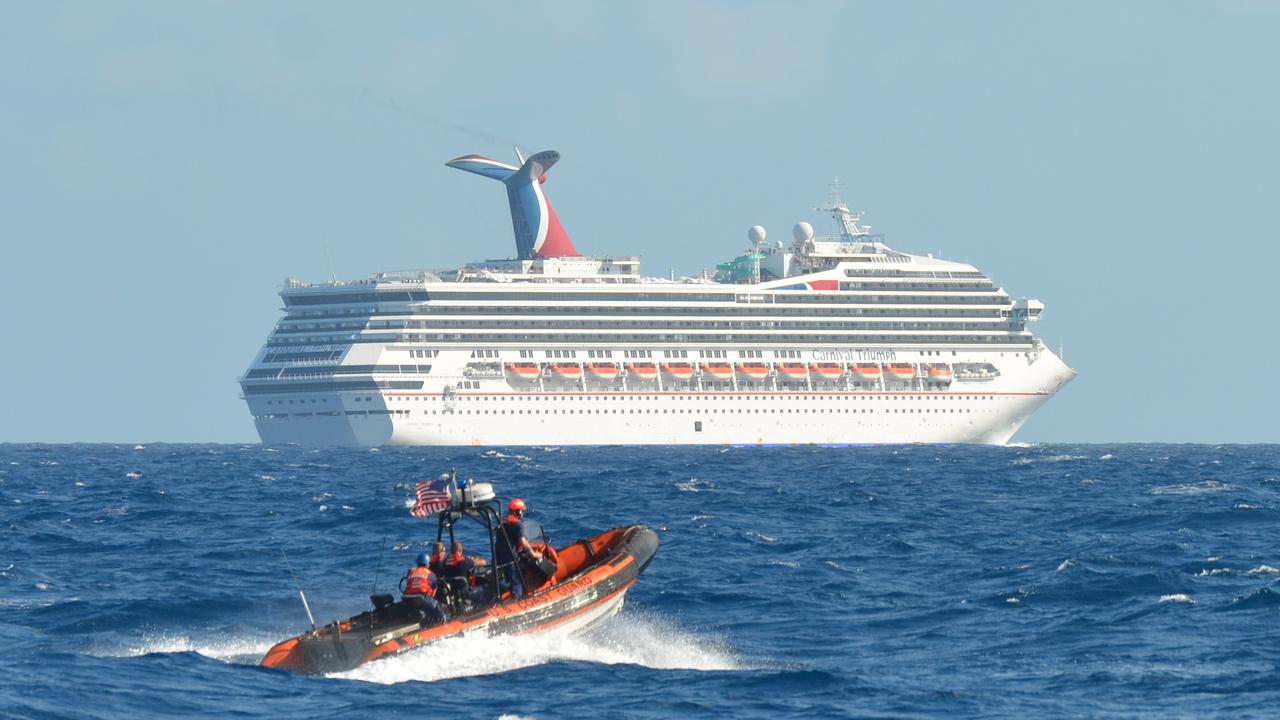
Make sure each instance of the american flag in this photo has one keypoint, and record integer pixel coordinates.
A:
(433, 496)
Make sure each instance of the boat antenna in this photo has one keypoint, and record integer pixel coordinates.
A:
(382, 550)
(305, 606)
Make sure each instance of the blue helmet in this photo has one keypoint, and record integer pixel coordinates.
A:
(422, 560)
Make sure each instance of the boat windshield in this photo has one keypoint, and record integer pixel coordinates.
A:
(533, 532)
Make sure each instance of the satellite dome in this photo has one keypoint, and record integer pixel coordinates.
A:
(802, 231)
(756, 234)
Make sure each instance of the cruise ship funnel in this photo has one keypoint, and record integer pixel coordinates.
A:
(538, 231)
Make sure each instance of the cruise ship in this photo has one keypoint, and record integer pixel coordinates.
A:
(830, 340)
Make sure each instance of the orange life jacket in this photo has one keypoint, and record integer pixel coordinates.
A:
(421, 581)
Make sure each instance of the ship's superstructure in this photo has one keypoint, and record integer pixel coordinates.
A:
(838, 340)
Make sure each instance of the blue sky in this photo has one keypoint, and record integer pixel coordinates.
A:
(164, 166)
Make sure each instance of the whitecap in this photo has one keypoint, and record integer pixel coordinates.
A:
(1178, 598)
(1264, 570)
(1247, 506)
(1108, 456)
(266, 477)
(139, 447)
(42, 586)
(1065, 564)
(133, 474)
(325, 508)
(1013, 600)
(1064, 458)
(375, 449)
(762, 536)
(1022, 461)
(1210, 572)
(1200, 488)
(785, 563)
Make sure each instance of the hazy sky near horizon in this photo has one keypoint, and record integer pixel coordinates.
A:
(164, 166)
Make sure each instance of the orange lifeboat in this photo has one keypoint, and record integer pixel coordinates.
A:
(939, 374)
(900, 371)
(717, 371)
(793, 371)
(753, 371)
(524, 371)
(827, 371)
(678, 371)
(643, 371)
(602, 371)
(865, 372)
(568, 371)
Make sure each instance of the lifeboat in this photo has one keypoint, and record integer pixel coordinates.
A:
(827, 371)
(900, 371)
(678, 371)
(602, 371)
(524, 371)
(571, 589)
(566, 371)
(642, 371)
(865, 372)
(793, 371)
(717, 371)
(939, 374)
(752, 371)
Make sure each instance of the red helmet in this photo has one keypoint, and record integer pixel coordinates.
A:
(516, 505)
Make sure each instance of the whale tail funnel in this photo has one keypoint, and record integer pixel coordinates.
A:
(538, 231)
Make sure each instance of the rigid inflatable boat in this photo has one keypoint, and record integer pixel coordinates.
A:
(571, 589)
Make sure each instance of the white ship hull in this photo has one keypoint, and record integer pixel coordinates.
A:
(985, 412)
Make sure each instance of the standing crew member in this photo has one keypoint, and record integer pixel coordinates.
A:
(419, 591)
(511, 545)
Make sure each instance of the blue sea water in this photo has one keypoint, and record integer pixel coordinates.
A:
(919, 581)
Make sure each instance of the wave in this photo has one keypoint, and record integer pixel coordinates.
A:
(632, 639)
(1201, 488)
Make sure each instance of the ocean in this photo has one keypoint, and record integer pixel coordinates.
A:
(913, 581)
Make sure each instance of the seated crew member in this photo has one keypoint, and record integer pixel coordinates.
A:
(511, 545)
(437, 558)
(419, 591)
(459, 566)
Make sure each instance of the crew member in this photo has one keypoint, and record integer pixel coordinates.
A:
(458, 566)
(437, 558)
(419, 591)
(511, 546)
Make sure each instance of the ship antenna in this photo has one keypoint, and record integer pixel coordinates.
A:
(305, 605)
(382, 550)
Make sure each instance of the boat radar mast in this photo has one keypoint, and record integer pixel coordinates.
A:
(846, 220)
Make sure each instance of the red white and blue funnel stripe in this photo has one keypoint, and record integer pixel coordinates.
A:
(538, 231)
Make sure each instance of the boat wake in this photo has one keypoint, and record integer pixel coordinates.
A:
(631, 639)
(240, 650)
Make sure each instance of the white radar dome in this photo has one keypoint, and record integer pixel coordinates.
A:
(756, 234)
(802, 232)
